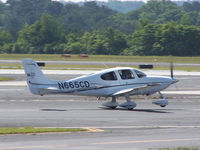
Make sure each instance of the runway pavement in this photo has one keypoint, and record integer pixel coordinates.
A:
(146, 127)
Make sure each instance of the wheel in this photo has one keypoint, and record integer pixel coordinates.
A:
(162, 105)
(130, 108)
(113, 107)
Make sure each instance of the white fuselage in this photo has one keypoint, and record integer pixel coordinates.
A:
(94, 85)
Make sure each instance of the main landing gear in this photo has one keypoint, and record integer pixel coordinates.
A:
(128, 104)
(112, 104)
(163, 102)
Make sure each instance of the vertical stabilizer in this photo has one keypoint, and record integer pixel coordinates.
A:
(35, 77)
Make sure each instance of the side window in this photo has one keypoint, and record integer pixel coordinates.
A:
(126, 74)
(140, 74)
(109, 76)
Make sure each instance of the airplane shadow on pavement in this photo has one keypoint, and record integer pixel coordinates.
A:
(117, 109)
(141, 110)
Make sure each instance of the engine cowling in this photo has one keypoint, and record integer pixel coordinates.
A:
(161, 103)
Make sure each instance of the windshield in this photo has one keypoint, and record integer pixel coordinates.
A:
(140, 74)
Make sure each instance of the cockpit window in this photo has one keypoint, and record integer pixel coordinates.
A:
(126, 74)
(140, 74)
(109, 76)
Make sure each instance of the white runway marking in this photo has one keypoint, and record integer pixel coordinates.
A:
(53, 72)
(148, 141)
(182, 92)
(34, 147)
(13, 83)
(11, 89)
(131, 127)
(53, 146)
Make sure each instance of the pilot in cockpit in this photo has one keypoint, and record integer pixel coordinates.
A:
(126, 74)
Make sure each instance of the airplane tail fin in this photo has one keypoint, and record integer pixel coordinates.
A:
(35, 77)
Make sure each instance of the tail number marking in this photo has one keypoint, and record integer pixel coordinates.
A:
(76, 84)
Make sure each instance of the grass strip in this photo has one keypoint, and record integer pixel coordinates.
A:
(27, 130)
(6, 79)
(102, 58)
(93, 67)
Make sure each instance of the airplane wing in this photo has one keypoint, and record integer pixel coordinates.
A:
(124, 91)
(132, 90)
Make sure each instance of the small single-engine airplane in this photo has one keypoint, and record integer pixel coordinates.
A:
(114, 82)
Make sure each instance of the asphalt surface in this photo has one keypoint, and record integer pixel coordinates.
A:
(146, 127)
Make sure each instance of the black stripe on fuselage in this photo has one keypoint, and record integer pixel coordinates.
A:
(96, 88)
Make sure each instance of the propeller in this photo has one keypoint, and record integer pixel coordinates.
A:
(172, 76)
(172, 73)
(172, 69)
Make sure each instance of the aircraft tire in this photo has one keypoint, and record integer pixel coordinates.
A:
(113, 107)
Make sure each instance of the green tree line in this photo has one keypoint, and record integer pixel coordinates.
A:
(157, 28)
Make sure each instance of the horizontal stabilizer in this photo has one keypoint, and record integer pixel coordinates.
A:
(48, 90)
